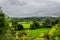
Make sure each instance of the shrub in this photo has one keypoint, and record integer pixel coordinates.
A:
(53, 23)
(47, 23)
(7, 37)
(56, 21)
(3, 25)
(45, 36)
(34, 25)
(55, 32)
(20, 27)
(14, 25)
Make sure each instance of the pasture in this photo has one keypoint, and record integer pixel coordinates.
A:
(32, 34)
(27, 24)
(37, 33)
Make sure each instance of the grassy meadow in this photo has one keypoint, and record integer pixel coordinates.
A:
(33, 34)
(36, 33)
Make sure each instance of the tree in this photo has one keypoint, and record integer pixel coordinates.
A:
(20, 27)
(3, 25)
(55, 31)
(14, 24)
(56, 21)
(53, 23)
(34, 25)
(17, 27)
(47, 23)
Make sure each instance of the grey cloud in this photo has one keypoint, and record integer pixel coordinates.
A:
(16, 2)
(31, 7)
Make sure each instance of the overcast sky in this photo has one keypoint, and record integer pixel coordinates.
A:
(23, 8)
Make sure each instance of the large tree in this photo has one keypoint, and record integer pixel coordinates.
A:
(47, 23)
(3, 25)
(34, 25)
(55, 31)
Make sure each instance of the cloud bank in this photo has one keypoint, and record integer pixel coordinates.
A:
(23, 8)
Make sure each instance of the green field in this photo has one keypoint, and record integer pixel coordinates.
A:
(37, 33)
(27, 24)
(29, 28)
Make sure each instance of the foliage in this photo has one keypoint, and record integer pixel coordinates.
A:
(56, 21)
(34, 25)
(3, 25)
(47, 23)
(20, 27)
(14, 24)
(45, 36)
(55, 32)
(7, 36)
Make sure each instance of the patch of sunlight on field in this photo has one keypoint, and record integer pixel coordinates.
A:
(25, 24)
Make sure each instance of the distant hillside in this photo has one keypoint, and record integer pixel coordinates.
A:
(30, 18)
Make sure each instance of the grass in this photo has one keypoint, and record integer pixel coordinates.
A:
(33, 33)
(36, 33)
(25, 24)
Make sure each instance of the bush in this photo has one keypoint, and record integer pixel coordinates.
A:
(45, 36)
(55, 32)
(3, 25)
(53, 23)
(14, 24)
(34, 25)
(47, 25)
(20, 27)
(56, 21)
(7, 37)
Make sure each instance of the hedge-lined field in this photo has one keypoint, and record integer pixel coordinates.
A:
(27, 24)
(37, 33)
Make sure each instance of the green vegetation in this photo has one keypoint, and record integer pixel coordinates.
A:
(25, 24)
(5, 32)
(44, 28)
(37, 33)
(35, 25)
(3, 26)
